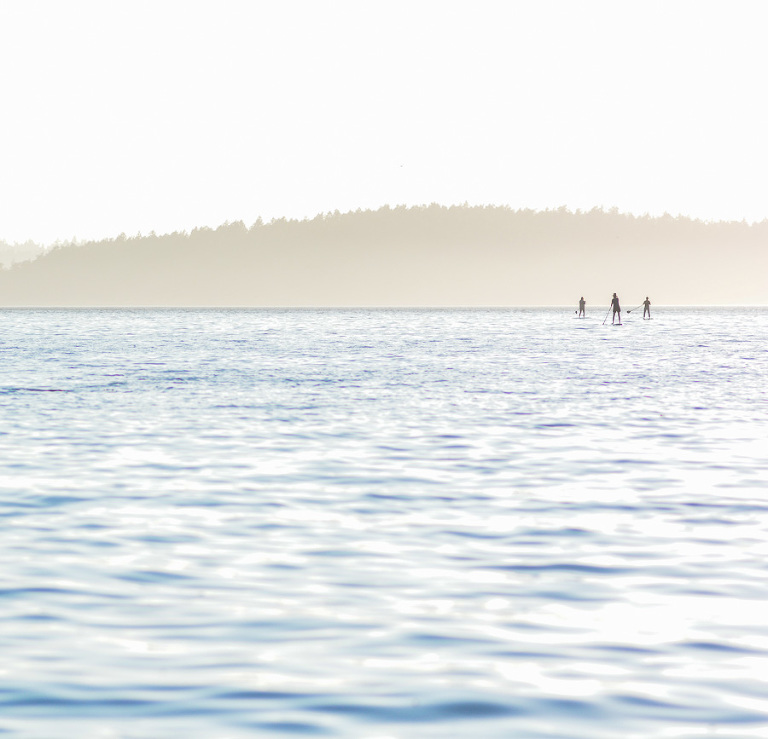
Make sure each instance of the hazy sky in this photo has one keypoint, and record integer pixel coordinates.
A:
(133, 116)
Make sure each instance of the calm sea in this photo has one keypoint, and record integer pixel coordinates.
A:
(383, 524)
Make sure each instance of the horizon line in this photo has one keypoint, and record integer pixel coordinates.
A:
(569, 307)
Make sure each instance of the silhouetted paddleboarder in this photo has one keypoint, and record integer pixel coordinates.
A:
(616, 308)
(582, 308)
(646, 307)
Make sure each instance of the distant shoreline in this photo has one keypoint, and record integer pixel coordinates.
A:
(596, 313)
(424, 257)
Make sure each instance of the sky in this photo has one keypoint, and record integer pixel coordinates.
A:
(162, 115)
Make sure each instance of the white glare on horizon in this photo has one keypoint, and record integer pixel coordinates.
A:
(166, 116)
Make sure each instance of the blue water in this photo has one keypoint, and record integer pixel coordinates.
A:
(383, 524)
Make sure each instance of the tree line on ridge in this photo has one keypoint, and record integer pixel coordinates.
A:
(408, 256)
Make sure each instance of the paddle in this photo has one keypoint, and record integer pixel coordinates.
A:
(638, 307)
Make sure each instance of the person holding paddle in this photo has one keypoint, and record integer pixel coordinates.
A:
(616, 308)
(582, 308)
(646, 307)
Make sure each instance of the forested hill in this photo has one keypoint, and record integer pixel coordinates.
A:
(422, 256)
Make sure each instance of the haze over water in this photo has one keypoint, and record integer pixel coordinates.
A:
(378, 523)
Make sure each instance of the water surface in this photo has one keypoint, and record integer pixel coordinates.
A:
(383, 524)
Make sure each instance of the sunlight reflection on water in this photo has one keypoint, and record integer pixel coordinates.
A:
(383, 523)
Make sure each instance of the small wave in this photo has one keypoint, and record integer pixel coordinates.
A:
(424, 712)
(12, 390)
(562, 567)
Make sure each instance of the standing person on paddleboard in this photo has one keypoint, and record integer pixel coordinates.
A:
(646, 307)
(582, 307)
(616, 308)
